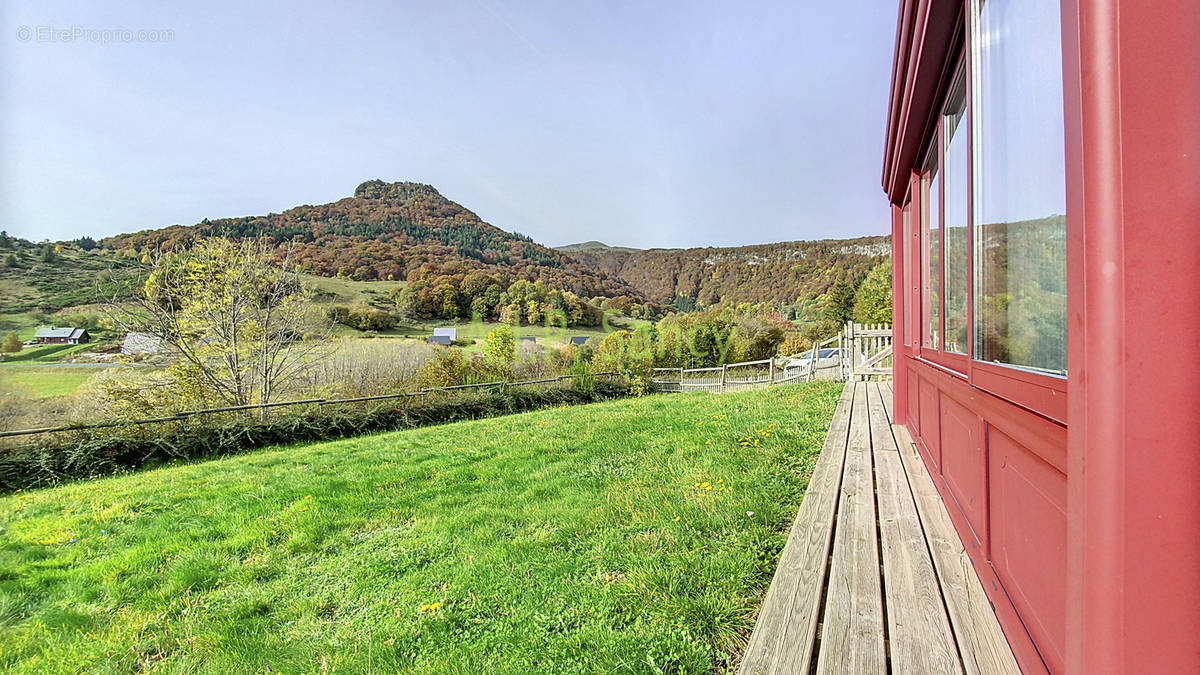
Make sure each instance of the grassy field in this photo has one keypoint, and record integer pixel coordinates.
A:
(341, 291)
(546, 337)
(46, 353)
(45, 381)
(631, 536)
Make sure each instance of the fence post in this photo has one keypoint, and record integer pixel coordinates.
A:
(771, 371)
(724, 368)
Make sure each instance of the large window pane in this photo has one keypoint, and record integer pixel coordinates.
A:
(1020, 186)
(906, 272)
(958, 275)
(931, 270)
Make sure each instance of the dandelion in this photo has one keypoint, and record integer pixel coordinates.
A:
(431, 607)
(676, 519)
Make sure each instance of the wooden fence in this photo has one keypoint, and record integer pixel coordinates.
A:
(863, 351)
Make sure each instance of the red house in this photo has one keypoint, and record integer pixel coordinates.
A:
(1043, 165)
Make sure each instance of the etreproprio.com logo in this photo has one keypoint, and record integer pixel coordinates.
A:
(84, 34)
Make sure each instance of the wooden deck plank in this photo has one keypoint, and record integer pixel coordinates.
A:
(852, 633)
(880, 426)
(981, 642)
(919, 634)
(786, 629)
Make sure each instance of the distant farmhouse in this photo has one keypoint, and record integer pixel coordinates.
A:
(579, 340)
(61, 336)
(444, 336)
(141, 343)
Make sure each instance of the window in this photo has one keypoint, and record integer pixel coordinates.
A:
(906, 270)
(1020, 186)
(957, 275)
(931, 270)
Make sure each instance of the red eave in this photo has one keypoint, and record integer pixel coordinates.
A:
(925, 34)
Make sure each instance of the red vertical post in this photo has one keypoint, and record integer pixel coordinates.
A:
(1133, 171)
(899, 317)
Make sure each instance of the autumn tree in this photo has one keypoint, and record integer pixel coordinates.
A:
(873, 300)
(234, 315)
(11, 343)
(501, 348)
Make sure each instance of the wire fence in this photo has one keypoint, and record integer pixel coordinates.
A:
(319, 403)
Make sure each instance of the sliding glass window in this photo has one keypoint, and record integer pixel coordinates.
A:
(1020, 186)
(931, 243)
(906, 271)
(957, 274)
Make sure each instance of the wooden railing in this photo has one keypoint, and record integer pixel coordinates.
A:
(864, 351)
(868, 350)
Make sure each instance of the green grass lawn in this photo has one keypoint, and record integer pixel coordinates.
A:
(46, 353)
(630, 536)
(45, 381)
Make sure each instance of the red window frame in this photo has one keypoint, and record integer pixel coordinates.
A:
(957, 364)
(1040, 393)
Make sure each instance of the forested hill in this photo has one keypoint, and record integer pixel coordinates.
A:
(790, 273)
(394, 231)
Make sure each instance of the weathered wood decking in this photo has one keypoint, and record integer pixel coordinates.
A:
(873, 575)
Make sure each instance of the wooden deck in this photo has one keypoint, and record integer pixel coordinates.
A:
(873, 577)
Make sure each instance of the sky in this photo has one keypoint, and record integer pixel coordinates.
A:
(644, 123)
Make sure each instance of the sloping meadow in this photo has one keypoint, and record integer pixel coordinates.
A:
(632, 535)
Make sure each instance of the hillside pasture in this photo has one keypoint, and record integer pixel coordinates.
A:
(629, 536)
(44, 381)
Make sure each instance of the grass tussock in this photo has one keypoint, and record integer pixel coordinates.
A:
(636, 535)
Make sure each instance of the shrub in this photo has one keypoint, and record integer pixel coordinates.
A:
(11, 344)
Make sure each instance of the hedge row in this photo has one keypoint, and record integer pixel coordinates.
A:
(82, 454)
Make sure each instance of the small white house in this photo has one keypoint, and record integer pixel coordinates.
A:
(451, 333)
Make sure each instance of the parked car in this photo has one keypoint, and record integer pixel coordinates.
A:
(828, 358)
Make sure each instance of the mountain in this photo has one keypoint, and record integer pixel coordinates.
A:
(592, 247)
(789, 273)
(393, 231)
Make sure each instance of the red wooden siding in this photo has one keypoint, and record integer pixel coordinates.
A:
(1080, 512)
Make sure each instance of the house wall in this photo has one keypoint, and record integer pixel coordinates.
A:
(1081, 513)
(1134, 199)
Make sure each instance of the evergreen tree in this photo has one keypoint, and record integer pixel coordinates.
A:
(839, 307)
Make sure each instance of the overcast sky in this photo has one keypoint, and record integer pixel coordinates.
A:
(641, 123)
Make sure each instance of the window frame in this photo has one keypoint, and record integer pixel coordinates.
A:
(1042, 393)
(958, 364)
(908, 253)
